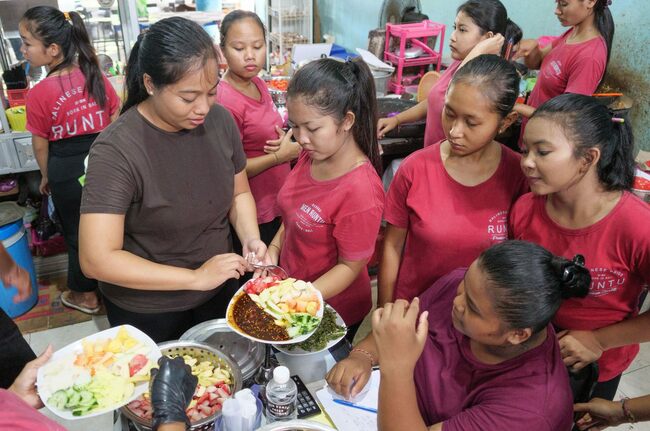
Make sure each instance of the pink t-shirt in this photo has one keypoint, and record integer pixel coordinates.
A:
(256, 120)
(448, 224)
(617, 253)
(528, 392)
(435, 103)
(17, 415)
(328, 220)
(568, 68)
(58, 107)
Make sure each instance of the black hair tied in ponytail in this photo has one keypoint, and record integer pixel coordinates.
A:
(496, 77)
(492, 16)
(67, 29)
(575, 277)
(167, 51)
(336, 88)
(529, 282)
(588, 123)
(605, 24)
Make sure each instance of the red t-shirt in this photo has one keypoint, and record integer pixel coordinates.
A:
(617, 253)
(448, 224)
(568, 68)
(17, 415)
(528, 392)
(325, 220)
(58, 107)
(256, 120)
(435, 103)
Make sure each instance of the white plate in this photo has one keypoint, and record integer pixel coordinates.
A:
(75, 348)
(298, 339)
(298, 351)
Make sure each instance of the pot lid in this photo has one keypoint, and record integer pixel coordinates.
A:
(248, 354)
(10, 212)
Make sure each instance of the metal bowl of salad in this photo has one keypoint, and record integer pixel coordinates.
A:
(219, 378)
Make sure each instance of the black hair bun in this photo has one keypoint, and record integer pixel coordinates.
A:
(576, 278)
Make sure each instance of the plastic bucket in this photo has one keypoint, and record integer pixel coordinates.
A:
(381, 82)
(208, 5)
(15, 241)
(17, 118)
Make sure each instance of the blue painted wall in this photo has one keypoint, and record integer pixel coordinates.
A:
(351, 20)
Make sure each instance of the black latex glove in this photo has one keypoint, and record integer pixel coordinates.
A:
(172, 387)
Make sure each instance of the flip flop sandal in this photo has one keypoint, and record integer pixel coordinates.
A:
(65, 300)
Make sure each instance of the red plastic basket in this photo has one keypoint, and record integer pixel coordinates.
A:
(49, 247)
(17, 97)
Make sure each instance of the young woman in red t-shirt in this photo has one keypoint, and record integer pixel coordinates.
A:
(332, 201)
(480, 27)
(580, 167)
(450, 201)
(65, 113)
(268, 148)
(577, 60)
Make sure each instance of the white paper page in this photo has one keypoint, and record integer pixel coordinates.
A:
(347, 418)
(374, 62)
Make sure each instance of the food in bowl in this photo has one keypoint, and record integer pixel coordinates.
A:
(327, 331)
(213, 388)
(271, 309)
(98, 373)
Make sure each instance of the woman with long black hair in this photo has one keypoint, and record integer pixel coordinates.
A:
(65, 113)
(575, 62)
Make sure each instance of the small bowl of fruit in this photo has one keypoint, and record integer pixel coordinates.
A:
(219, 378)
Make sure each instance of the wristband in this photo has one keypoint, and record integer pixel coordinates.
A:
(367, 354)
(627, 412)
(277, 160)
(274, 245)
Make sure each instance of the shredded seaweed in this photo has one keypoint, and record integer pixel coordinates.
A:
(327, 330)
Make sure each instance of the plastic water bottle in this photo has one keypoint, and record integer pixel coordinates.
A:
(281, 393)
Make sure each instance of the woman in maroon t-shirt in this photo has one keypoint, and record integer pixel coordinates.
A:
(65, 112)
(481, 356)
(480, 27)
(450, 201)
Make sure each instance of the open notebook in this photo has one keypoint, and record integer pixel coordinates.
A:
(349, 418)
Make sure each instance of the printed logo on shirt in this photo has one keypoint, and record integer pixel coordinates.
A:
(497, 227)
(557, 66)
(308, 217)
(605, 281)
(78, 121)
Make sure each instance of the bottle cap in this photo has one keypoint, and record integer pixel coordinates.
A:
(281, 375)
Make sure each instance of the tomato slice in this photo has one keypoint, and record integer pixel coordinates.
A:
(137, 363)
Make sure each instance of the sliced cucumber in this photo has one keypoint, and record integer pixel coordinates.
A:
(73, 400)
(87, 398)
(82, 410)
(58, 399)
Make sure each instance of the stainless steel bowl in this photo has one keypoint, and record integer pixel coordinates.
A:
(202, 352)
(216, 333)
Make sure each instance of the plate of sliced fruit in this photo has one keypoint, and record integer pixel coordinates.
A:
(98, 373)
(270, 310)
